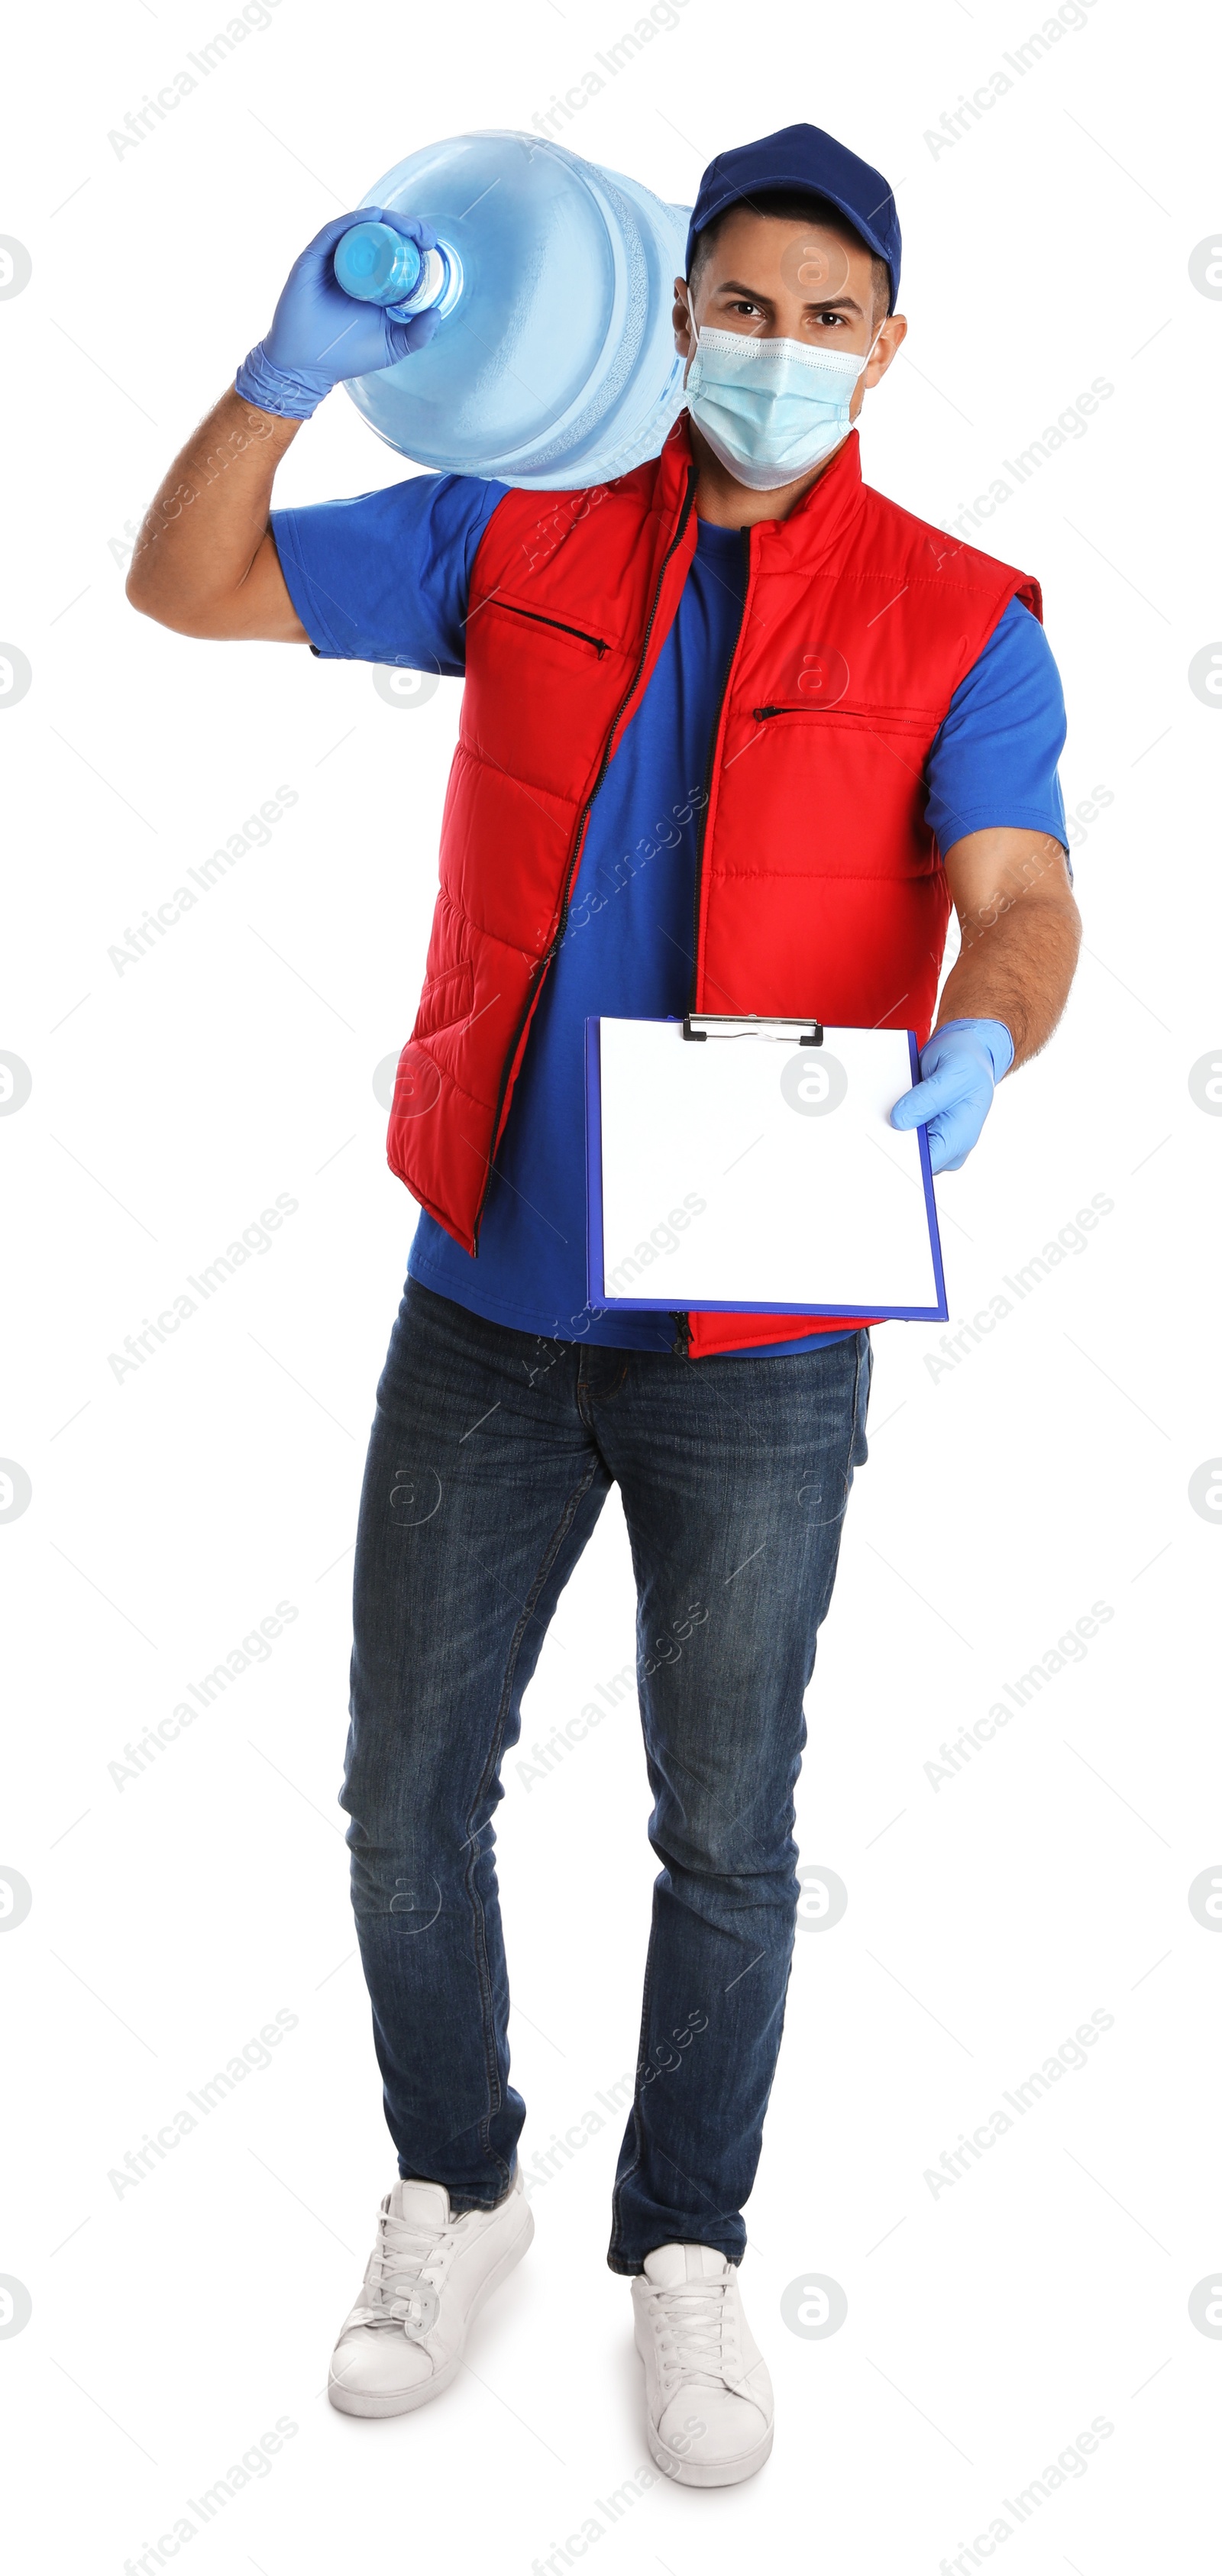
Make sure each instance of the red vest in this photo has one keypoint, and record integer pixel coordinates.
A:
(820, 886)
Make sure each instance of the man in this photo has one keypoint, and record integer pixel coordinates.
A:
(736, 731)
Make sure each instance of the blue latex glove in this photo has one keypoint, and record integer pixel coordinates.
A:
(960, 1069)
(320, 336)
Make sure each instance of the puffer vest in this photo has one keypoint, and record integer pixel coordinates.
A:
(819, 885)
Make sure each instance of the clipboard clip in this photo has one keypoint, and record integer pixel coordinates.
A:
(699, 1025)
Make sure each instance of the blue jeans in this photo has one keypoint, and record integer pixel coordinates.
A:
(491, 1456)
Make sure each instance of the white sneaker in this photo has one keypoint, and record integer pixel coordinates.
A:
(708, 2396)
(428, 2274)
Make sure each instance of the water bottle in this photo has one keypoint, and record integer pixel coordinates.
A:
(553, 364)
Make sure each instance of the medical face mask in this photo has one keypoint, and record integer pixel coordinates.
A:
(770, 409)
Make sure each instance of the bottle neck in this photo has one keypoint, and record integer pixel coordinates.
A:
(377, 265)
(421, 294)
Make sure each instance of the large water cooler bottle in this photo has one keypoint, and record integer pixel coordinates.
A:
(553, 363)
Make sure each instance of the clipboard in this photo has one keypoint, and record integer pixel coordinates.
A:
(744, 1164)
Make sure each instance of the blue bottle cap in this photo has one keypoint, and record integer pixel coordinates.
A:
(376, 264)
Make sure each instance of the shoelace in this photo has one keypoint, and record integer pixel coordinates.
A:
(398, 2295)
(689, 2322)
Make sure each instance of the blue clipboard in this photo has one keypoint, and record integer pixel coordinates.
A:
(605, 1300)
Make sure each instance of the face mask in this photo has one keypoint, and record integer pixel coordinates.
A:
(770, 409)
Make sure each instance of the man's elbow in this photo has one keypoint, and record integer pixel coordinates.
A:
(148, 596)
(181, 616)
(140, 597)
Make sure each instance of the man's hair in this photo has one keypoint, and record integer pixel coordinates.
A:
(797, 205)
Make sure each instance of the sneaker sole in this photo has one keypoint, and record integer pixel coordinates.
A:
(382, 2402)
(706, 2473)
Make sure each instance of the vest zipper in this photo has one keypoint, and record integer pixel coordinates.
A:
(598, 642)
(579, 833)
(584, 816)
(683, 1343)
(745, 534)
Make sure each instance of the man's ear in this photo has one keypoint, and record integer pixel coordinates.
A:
(894, 331)
(682, 320)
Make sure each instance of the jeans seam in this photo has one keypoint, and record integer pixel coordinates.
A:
(622, 2180)
(586, 1397)
(489, 1774)
(863, 1353)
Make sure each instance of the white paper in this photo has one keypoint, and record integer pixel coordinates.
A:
(793, 1197)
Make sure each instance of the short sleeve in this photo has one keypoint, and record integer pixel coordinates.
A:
(385, 577)
(994, 758)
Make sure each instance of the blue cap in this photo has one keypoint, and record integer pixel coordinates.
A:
(802, 156)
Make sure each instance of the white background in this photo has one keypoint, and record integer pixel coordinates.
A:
(1047, 1470)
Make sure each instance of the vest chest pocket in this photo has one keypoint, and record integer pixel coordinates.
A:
(832, 717)
(540, 695)
(558, 625)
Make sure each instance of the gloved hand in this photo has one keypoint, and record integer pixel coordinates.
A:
(960, 1069)
(320, 336)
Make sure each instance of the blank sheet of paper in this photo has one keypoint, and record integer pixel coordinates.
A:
(748, 1172)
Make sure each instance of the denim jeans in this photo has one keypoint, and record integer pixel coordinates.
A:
(491, 1456)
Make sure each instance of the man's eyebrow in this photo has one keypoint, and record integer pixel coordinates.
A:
(814, 303)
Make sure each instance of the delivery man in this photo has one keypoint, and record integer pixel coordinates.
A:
(736, 733)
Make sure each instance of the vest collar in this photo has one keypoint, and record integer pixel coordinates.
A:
(806, 538)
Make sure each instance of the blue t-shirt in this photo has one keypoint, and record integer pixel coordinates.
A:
(385, 578)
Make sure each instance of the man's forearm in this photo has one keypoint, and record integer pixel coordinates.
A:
(1016, 967)
(205, 528)
(1019, 932)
